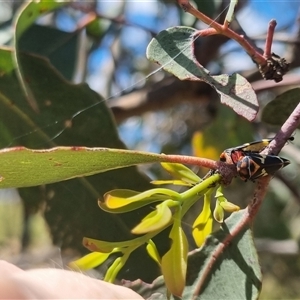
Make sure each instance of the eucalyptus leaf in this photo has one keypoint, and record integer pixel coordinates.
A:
(235, 272)
(27, 15)
(277, 111)
(22, 167)
(173, 49)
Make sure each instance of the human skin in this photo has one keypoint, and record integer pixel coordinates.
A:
(56, 284)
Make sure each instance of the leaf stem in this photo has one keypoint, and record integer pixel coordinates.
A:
(192, 195)
(230, 13)
(192, 160)
(200, 187)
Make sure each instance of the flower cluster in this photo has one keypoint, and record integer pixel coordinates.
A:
(170, 209)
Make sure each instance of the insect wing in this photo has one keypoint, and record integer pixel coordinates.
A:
(233, 155)
(259, 146)
(255, 147)
(271, 163)
(254, 165)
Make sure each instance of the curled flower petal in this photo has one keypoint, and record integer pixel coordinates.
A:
(174, 182)
(153, 252)
(202, 226)
(156, 220)
(89, 261)
(229, 207)
(122, 200)
(181, 172)
(106, 247)
(218, 213)
(174, 262)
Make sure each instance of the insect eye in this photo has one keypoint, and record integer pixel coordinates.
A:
(242, 167)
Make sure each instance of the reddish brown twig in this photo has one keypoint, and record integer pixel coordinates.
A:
(222, 29)
(270, 65)
(269, 39)
(285, 132)
(247, 217)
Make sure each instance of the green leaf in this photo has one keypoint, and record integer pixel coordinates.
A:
(60, 47)
(173, 50)
(70, 114)
(6, 63)
(52, 118)
(32, 10)
(27, 15)
(22, 167)
(235, 273)
(89, 261)
(174, 262)
(181, 172)
(55, 120)
(154, 221)
(202, 226)
(278, 110)
(120, 201)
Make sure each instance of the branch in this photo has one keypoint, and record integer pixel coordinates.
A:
(269, 39)
(270, 66)
(224, 30)
(162, 95)
(279, 141)
(286, 131)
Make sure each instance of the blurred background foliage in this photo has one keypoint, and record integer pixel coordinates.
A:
(130, 102)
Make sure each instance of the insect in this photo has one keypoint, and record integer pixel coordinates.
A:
(232, 155)
(250, 164)
(254, 165)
